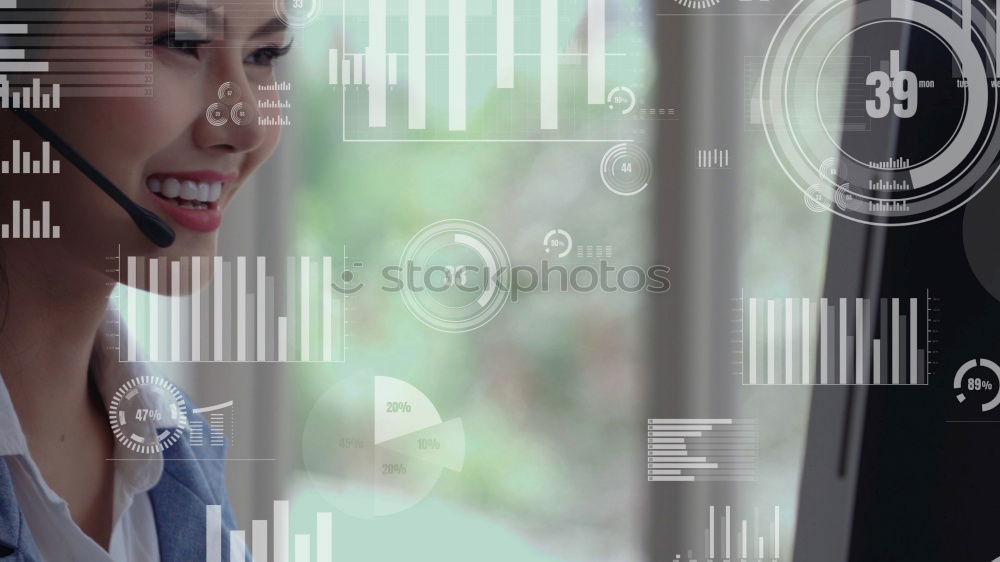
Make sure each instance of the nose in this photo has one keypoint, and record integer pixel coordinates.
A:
(228, 122)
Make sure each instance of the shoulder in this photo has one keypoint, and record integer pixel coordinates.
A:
(199, 455)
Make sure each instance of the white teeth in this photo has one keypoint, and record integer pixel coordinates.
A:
(189, 190)
(191, 195)
(171, 188)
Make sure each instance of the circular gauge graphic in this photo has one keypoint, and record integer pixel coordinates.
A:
(147, 414)
(377, 446)
(457, 275)
(697, 4)
(558, 241)
(868, 150)
(241, 114)
(229, 93)
(621, 99)
(978, 381)
(298, 13)
(217, 115)
(815, 201)
(626, 169)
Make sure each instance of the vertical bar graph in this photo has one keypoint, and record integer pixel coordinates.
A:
(30, 97)
(298, 546)
(245, 314)
(376, 59)
(596, 23)
(505, 45)
(280, 531)
(456, 65)
(333, 59)
(22, 226)
(721, 545)
(549, 79)
(850, 341)
(213, 533)
(21, 161)
(237, 545)
(752, 335)
(771, 359)
(417, 26)
(258, 535)
(789, 340)
(519, 50)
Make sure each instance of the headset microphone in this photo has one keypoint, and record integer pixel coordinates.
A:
(151, 225)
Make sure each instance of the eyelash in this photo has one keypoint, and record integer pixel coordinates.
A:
(265, 56)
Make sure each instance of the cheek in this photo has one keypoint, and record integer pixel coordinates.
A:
(118, 136)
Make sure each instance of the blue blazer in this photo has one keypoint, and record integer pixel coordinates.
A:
(192, 478)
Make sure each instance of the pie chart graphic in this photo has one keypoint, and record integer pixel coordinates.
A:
(375, 446)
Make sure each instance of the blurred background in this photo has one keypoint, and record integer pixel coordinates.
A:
(554, 392)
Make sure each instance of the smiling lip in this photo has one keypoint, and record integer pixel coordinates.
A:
(198, 220)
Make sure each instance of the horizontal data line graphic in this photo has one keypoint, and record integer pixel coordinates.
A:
(804, 341)
(243, 314)
(262, 543)
(690, 450)
(45, 40)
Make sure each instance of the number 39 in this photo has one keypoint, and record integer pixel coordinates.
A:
(903, 84)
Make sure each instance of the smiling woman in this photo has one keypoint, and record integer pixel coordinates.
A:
(68, 490)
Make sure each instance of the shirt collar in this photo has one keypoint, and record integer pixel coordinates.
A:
(134, 472)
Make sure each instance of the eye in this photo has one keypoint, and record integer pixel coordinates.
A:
(267, 56)
(169, 40)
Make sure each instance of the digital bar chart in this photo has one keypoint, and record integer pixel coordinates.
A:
(30, 97)
(211, 309)
(696, 450)
(220, 425)
(806, 341)
(102, 50)
(475, 50)
(21, 161)
(262, 543)
(751, 539)
(21, 224)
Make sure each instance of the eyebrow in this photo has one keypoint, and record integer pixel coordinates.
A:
(276, 25)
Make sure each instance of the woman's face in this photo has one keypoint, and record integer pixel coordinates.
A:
(163, 151)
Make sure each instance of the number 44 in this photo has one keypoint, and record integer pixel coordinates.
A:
(904, 89)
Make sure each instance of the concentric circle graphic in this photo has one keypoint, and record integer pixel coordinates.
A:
(240, 114)
(456, 275)
(815, 201)
(298, 13)
(229, 93)
(216, 115)
(147, 414)
(864, 151)
(626, 169)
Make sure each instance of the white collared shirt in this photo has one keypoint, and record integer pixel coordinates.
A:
(58, 537)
